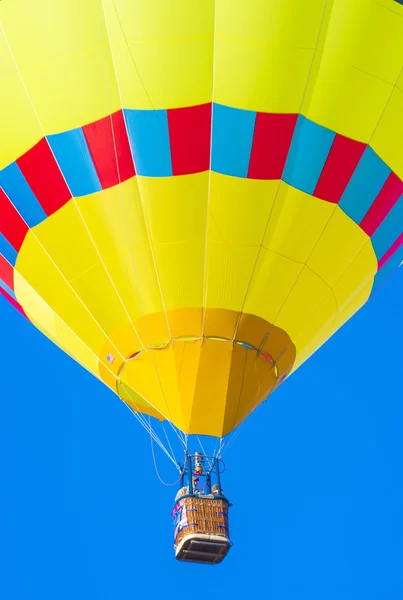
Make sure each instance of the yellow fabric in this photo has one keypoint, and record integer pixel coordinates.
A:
(288, 275)
(114, 272)
(179, 384)
(339, 62)
(271, 45)
(162, 51)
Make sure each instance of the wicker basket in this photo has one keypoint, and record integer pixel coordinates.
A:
(202, 516)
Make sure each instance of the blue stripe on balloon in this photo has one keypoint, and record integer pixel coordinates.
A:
(233, 131)
(74, 158)
(389, 230)
(22, 197)
(309, 150)
(364, 186)
(7, 289)
(7, 250)
(149, 139)
(388, 269)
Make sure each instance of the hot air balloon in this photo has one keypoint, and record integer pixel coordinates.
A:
(194, 196)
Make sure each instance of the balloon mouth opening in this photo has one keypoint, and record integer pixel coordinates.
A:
(162, 346)
(205, 370)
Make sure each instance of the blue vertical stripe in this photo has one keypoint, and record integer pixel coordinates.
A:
(74, 158)
(364, 186)
(17, 189)
(149, 139)
(233, 131)
(7, 250)
(309, 150)
(389, 230)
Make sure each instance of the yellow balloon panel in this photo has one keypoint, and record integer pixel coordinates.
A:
(118, 234)
(302, 302)
(322, 326)
(175, 207)
(229, 269)
(388, 135)
(68, 79)
(296, 223)
(162, 51)
(271, 48)
(58, 19)
(358, 274)
(175, 210)
(355, 68)
(269, 21)
(337, 247)
(18, 123)
(136, 402)
(266, 299)
(285, 67)
(239, 208)
(316, 328)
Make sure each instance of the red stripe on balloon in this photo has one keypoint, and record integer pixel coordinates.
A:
(44, 177)
(340, 165)
(12, 225)
(394, 248)
(271, 143)
(383, 203)
(12, 302)
(189, 135)
(109, 147)
(6, 272)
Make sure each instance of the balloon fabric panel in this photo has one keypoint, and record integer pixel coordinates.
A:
(195, 196)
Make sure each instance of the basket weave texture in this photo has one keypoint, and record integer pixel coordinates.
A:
(204, 515)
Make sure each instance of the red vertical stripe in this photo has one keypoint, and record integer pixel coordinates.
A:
(394, 248)
(383, 203)
(108, 147)
(12, 225)
(189, 135)
(44, 177)
(271, 143)
(6, 272)
(126, 165)
(340, 164)
(12, 301)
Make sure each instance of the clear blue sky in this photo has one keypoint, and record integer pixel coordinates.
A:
(315, 477)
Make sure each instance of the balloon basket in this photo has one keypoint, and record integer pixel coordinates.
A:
(200, 514)
(202, 532)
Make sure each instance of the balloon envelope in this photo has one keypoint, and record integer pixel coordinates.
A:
(196, 195)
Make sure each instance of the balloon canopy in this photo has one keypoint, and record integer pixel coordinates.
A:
(196, 195)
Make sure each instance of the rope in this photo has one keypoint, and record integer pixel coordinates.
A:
(139, 417)
(156, 467)
(151, 432)
(167, 439)
(142, 420)
(215, 446)
(224, 447)
(204, 452)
